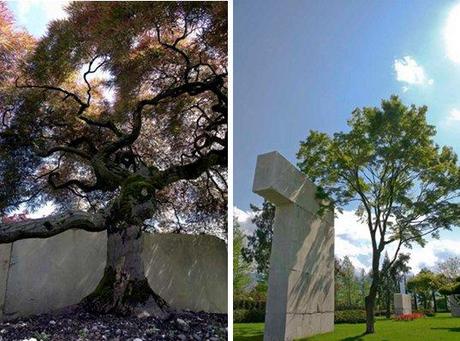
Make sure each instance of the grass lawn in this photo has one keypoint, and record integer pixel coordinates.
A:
(439, 328)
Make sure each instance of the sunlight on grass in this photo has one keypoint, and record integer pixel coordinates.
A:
(443, 327)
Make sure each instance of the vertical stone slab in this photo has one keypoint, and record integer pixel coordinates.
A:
(48, 274)
(300, 299)
(188, 271)
(403, 304)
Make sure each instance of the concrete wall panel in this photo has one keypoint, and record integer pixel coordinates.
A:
(47, 274)
(189, 272)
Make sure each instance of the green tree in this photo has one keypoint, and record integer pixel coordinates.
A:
(391, 277)
(451, 288)
(425, 285)
(241, 267)
(118, 116)
(348, 284)
(405, 185)
(259, 244)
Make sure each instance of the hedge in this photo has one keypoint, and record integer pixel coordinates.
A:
(248, 316)
(249, 304)
(258, 315)
(350, 316)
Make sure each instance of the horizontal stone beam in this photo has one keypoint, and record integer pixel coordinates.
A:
(278, 181)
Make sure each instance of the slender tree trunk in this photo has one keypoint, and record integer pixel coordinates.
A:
(370, 307)
(124, 289)
(415, 301)
(370, 299)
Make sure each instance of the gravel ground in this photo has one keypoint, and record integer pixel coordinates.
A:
(82, 326)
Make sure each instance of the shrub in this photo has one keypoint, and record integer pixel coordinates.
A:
(350, 316)
(426, 312)
(342, 306)
(408, 317)
(249, 303)
(248, 315)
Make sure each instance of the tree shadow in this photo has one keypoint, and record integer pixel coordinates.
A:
(456, 329)
(354, 338)
(358, 338)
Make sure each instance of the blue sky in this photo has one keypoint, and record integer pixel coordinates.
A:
(34, 15)
(302, 65)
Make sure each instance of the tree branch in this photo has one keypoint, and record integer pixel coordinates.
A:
(191, 170)
(51, 226)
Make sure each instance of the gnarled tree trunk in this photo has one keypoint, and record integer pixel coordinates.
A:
(124, 289)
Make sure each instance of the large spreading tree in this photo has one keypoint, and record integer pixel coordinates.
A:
(406, 187)
(118, 116)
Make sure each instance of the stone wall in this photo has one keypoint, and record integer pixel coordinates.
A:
(40, 275)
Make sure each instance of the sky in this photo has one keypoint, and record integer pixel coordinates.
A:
(34, 15)
(305, 65)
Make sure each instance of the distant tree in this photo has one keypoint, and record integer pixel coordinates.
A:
(241, 268)
(451, 288)
(259, 244)
(406, 186)
(118, 116)
(348, 279)
(348, 285)
(337, 285)
(450, 268)
(391, 277)
(364, 281)
(425, 285)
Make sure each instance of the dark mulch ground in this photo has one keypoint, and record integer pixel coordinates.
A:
(80, 325)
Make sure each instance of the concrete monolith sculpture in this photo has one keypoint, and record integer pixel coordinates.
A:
(301, 280)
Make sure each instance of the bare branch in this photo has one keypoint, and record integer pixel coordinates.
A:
(51, 226)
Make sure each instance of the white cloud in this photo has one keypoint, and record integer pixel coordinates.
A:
(245, 220)
(409, 72)
(454, 115)
(433, 252)
(452, 118)
(348, 227)
(352, 240)
(451, 34)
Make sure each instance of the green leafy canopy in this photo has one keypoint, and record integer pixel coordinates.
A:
(405, 184)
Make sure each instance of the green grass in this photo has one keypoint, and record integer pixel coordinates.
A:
(442, 327)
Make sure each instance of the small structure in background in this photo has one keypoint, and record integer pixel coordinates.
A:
(402, 301)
